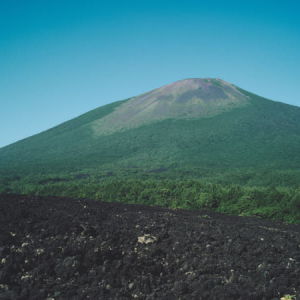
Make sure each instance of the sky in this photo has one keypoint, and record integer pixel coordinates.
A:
(60, 59)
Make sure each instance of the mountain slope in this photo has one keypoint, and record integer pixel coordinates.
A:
(184, 99)
(194, 128)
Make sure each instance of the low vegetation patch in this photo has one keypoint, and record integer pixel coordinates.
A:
(281, 204)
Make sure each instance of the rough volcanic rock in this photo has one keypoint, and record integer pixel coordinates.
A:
(60, 248)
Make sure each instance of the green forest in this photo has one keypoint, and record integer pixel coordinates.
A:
(282, 204)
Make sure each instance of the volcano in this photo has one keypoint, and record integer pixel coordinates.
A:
(193, 128)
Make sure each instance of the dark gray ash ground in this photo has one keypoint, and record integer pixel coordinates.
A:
(59, 248)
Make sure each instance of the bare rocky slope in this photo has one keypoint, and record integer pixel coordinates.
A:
(184, 99)
(62, 248)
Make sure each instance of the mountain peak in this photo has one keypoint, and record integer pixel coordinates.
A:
(184, 99)
(194, 83)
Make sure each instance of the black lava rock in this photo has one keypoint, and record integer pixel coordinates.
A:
(61, 248)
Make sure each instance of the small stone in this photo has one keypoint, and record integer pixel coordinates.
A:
(131, 285)
(39, 251)
(146, 239)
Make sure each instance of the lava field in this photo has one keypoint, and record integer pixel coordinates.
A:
(71, 249)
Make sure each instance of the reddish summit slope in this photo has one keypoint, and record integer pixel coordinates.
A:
(184, 99)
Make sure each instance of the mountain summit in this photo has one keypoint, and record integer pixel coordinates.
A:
(184, 99)
(194, 128)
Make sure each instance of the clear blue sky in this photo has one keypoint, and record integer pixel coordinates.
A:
(59, 59)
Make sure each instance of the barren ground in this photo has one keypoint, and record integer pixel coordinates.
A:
(60, 248)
